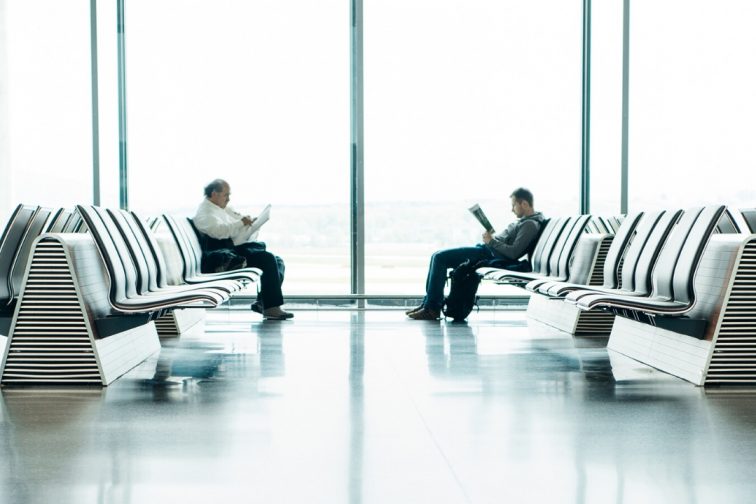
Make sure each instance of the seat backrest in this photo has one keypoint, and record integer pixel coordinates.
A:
(649, 254)
(145, 264)
(595, 226)
(153, 223)
(36, 227)
(192, 235)
(727, 224)
(10, 242)
(561, 267)
(599, 225)
(692, 251)
(58, 220)
(74, 224)
(190, 268)
(664, 269)
(546, 243)
(121, 271)
(546, 228)
(641, 235)
(749, 214)
(529, 251)
(140, 227)
(615, 221)
(617, 249)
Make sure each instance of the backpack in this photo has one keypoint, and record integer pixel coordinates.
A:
(462, 296)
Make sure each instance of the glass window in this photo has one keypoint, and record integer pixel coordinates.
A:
(107, 74)
(692, 104)
(606, 107)
(464, 102)
(255, 93)
(47, 113)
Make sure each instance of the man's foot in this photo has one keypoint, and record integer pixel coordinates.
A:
(413, 310)
(425, 314)
(257, 307)
(277, 313)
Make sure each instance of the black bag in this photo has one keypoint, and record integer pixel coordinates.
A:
(216, 261)
(462, 296)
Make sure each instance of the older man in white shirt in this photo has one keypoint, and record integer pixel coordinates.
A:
(227, 228)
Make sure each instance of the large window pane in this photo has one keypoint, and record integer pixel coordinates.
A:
(257, 93)
(107, 74)
(692, 103)
(46, 94)
(606, 107)
(464, 101)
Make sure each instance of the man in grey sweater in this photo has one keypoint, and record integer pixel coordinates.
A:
(505, 248)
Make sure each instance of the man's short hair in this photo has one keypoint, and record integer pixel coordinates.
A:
(522, 194)
(216, 185)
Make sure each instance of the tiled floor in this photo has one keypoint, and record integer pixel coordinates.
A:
(348, 407)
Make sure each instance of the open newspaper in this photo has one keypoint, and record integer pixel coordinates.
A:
(479, 214)
(250, 232)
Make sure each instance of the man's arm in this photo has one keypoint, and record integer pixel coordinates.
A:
(526, 233)
(215, 227)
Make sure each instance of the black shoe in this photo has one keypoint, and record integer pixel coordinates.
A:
(257, 307)
(282, 315)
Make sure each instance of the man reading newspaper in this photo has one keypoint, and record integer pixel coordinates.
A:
(505, 248)
(228, 229)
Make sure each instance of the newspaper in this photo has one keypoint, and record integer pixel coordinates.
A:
(479, 214)
(249, 233)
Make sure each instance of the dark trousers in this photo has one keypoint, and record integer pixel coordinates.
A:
(443, 260)
(272, 268)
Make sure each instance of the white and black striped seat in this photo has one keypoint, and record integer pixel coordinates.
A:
(19, 255)
(562, 253)
(57, 223)
(541, 254)
(639, 260)
(147, 266)
(191, 252)
(614, 255)
(74, 224)
(122, 274)
(673, 277)
(11, 240)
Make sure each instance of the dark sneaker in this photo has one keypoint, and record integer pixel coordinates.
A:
(257, 307)
(413, 310)
(425, 314)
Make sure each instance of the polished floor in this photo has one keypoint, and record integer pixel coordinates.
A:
(366, 407)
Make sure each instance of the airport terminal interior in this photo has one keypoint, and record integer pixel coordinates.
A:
(612, 361)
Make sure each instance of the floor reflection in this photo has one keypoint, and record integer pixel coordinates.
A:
(359, 407)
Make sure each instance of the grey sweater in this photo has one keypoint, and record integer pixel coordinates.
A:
(515, 241)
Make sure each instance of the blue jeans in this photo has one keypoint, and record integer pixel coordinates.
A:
(440, 263)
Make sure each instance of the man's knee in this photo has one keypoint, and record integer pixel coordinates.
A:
(443, 257)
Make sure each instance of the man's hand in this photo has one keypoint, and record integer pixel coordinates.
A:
(247, 220)
(487, 237)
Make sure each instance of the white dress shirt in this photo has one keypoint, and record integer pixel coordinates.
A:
(222, 223)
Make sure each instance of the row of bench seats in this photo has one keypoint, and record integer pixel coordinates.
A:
(670, 274)
(84, 288)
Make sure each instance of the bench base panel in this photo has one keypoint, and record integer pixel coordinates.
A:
(176, 323)
(673, 353)
(568, 318)
(118, 354)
